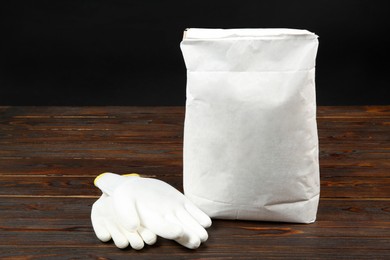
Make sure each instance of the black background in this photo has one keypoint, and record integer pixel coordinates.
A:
(127, 52)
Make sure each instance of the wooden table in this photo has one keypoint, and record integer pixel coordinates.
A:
(49, 157)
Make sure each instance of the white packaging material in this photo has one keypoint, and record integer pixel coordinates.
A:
(250, 134)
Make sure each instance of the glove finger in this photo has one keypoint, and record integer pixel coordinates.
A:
(162, 227)
(198, 215)
(134, 238)
(100, 229)
(189, 222)
(98, 222)
(189, 238)
(126, 212)
(148, 236)
(188, 242)
(119, 239)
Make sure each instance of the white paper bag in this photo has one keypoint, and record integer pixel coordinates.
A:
(250, 134)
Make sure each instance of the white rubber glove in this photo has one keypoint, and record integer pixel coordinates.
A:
(106, 226)
(157, 206)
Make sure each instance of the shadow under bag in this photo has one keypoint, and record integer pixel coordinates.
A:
(250, 134)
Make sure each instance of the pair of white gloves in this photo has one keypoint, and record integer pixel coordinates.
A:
(134, 210)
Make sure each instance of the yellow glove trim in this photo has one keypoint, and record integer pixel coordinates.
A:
(98, 177)
(101, 175)
(131, 174)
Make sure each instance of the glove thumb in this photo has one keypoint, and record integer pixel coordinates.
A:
(107, 182)
(124, 206)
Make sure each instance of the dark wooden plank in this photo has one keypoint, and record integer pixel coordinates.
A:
(323, 111)
(96, 152)
(331, 187)
(65, 185)
(82, 124)
(159, 165)
(62, 136)
(168, 250)
(254, 248)
(332, 112)
(39, 211)
(136, 151)
(355, 170)
(154, 166)
(45, 111)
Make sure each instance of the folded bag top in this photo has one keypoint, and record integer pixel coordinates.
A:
(249, 49)
(250, 133)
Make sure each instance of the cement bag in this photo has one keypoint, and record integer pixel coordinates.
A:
(250, 134)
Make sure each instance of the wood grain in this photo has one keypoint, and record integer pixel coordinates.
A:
(49, 157)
